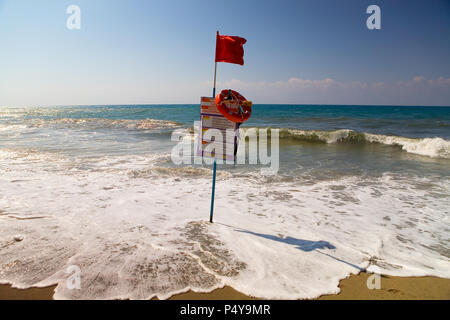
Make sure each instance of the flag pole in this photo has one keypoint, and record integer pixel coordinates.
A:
(214, 88)
(215, 68)
(215, 164)
(213, 191)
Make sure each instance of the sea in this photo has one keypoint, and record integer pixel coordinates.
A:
(92, 201)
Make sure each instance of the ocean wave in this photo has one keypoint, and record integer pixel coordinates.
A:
(431, 147)
(99, 123)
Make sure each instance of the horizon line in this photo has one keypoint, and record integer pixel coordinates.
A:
(255, 104)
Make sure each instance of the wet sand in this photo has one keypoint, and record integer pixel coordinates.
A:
(355, 288)
(8, 293)
(352, 288)
(392, 288)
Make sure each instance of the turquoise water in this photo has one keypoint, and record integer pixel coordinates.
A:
(96, 187)
(343, 139)
(416, 122)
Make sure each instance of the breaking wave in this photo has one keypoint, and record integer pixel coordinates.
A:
(430, 147)
(99, 123)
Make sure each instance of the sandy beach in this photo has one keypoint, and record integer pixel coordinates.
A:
(352, 288)
(355, 288)
(155, 150)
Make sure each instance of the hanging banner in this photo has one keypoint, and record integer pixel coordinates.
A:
(217, 136)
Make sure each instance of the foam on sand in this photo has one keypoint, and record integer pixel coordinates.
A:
(143, 235)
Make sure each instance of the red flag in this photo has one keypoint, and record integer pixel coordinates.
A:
(230, 49)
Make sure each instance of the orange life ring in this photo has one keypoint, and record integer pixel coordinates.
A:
(228, 98)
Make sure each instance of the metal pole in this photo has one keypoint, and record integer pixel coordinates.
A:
(213, 191)
(215, 67)
(215, 164)
(215, 72)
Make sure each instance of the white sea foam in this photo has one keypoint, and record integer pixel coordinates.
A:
(30, 125)
(93, 123)
(430, 147)
(137, 230)
(324, 136)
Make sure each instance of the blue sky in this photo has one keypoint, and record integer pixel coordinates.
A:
(139, 52)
